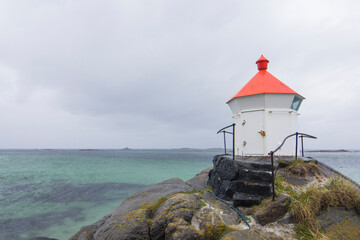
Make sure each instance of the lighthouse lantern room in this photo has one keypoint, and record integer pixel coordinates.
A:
(265, 112)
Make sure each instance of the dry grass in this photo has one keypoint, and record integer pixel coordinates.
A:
(300, 168)
(305, 205)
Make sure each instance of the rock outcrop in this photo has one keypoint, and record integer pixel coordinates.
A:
(172, 209)
(246, 182)
(176, 210)
(273, 210)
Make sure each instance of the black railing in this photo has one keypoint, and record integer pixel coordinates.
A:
(298, 135)
(226, 132)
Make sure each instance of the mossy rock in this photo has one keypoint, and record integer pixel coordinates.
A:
(273, 210)
(181, 230)
(247, 234)
(209, 222)
(130, 226)
(339, 223)
(180, 205)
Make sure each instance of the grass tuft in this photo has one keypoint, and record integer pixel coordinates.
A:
(303, 232)
(305, 205)
(300, 168)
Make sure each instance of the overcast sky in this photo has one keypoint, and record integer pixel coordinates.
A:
(158, 74)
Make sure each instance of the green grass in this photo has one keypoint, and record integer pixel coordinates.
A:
(303, 232)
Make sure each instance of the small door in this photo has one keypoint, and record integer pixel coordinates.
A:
(253, 134)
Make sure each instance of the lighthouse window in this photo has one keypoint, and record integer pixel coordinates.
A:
(296, 103)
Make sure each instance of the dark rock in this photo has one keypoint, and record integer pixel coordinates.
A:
(283, 164)
(225, 167)
(247, 234)
(273, 210)
(199, 181)
(180, 206)
(254, 175)
(132, 225)
(248, 176)
(251, 188)
(246, 200)
(220, 187)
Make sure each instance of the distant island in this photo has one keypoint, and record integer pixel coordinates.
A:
(126, 149)
(336, 150)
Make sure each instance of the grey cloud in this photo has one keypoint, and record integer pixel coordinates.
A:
(168, 65)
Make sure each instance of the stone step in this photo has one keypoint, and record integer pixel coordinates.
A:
(259, 166)
(262, 188)
(246, 200)
(254, 176)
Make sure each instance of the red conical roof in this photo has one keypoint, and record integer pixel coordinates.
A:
(263, 82)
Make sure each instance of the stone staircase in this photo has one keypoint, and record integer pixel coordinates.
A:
(245, 181)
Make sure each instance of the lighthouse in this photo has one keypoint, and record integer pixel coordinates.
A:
(265, 111)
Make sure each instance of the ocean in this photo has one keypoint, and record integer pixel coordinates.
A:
(54, 193)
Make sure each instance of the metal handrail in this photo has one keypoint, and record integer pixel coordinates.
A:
(233, 133)
(271, 153)
(301, 135)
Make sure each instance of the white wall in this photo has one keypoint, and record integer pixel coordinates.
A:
(273, 100)
(270, 113)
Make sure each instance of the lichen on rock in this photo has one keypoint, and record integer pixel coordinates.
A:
(129, 226)
(180, 205)
(174, 209)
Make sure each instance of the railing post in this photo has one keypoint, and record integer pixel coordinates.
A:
(302, 146)
(272, 174)
(234, 141)
(224, 141)
(296, 144)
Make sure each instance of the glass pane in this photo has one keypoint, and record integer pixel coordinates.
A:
(296, 103)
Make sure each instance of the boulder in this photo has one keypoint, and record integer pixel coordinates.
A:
(228, 215)
(247, 234)
(273, 210)
(151, 194)
(132, 225)
(179, 206)
(131, 204)
(181, 230)
(339, 223)
(225, 167)
(246, 200)
(209, 223)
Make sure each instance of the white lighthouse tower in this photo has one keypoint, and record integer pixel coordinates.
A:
(265, 112)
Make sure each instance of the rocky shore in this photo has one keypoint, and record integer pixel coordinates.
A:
(175, 209)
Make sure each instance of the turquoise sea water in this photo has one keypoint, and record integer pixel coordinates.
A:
(54, 193)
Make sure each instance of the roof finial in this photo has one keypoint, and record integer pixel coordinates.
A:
(262, 63)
